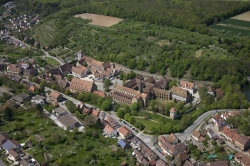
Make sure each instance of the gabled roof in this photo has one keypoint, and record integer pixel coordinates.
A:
(150, 80)
(161, 163)
(79, 70)
(179, 91)
(218, 163)
(65, 68)
(108, 129)
(13, 153)
(196, 134)
(67, 120)
(243, 158)
(180, 147)
(81, 85)
(188, 163)
(183, 156)
(171, 138)
(9, 144)
(54, 94)
(186, 84)
(138, 155)
(95, 113)
(123, 130)
(241, 140)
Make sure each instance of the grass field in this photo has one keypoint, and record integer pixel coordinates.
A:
(45, 32)
(241, 23)
(231, 29)
(51, 61)
(147, 123)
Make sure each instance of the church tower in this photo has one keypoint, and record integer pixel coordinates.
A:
(80, 54)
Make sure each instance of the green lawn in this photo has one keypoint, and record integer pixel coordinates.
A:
(147, 123)
(237, 22)
(51, 61)
(231, 29)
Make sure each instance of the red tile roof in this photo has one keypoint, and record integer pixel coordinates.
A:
(186, 84)
(54, 94)
(82, 85)
(123, 130)
(108, 129)
(95, 113)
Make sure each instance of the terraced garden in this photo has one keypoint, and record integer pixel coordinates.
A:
(44, 33)
(64, 54)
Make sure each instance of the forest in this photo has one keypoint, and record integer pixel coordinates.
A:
(193, 15)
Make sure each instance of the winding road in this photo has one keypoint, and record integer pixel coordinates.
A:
(47, 55)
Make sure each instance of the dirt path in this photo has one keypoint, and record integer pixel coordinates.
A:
(158, 76)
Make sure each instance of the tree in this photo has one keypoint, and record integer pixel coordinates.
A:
(120, 113)
(106, 84)
(172, 83)
(126, 116)
(197, 153)
(106, 105)
(7, 114)
(131, 120)
(134, 106)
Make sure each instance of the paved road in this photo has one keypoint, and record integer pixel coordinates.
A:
(47, 55)
(146, 138)
(184, 135)
(2, 163)
(158, 76)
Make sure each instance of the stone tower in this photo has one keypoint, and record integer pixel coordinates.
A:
(80, 54)
(173, 113)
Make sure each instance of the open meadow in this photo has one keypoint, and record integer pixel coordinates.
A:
(100, 20)
(245, 16)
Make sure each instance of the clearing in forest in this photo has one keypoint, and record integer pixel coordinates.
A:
(198, 53)
(100, 20)
(163, 42)
(245, 16)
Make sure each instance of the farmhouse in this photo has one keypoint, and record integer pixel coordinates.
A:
(65, 69)
(13, 69)
(82, 86)
(21, 97)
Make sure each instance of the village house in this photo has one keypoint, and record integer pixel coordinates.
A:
(161, 163)
(87, 111)
(102, 115)
(197, 136)
(111, 132)
(3, 138)
(161, 93)
(138, 155)
(242, 159)
(124, 132)
(33, 88)
(38, 99)
(63, 83)
(59, 111)
(13, 69)
(136, 142)
(68, 122)
(181, 158)
(21, 98)
(78, 85)
(113, 123)
(30, 72)
(169, 149)
(55, 96)
(13, 155)
(148, 152)
(211, 133)
(123, 144)
(100, 66)
(65, 69)
(229, 134)
(190, 86)
(180, 94)
(172, 139)
(80, 72)
(128, 96)
(11, 144)
(95, 113)
(218, 163)
(188, 163)
(242, 143)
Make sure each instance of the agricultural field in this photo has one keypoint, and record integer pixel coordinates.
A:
(64, 146)
(212, 52)
(100, 20)
(239, 24)
(45, 32)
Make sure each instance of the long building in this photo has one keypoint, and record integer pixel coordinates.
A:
(128, 96)
(78, 85)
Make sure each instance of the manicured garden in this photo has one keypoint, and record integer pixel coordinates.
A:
(51, 61)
